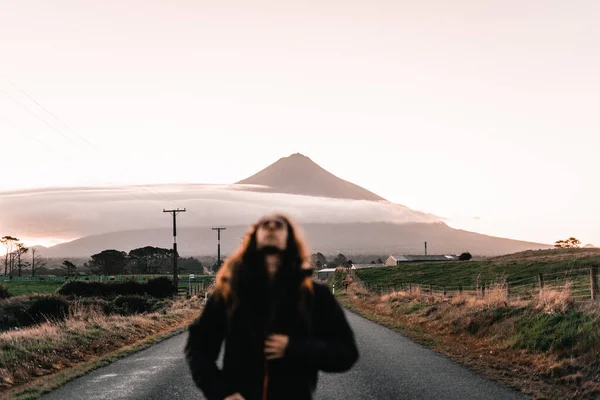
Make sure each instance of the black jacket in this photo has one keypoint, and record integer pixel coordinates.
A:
(327, 345)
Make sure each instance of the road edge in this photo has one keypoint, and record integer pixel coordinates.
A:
(43, 385)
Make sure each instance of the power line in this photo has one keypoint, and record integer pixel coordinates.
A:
(70, 129)
(70, 159)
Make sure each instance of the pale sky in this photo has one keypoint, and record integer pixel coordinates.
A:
(482, 112)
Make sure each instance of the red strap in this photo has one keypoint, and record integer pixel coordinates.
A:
(265, 382)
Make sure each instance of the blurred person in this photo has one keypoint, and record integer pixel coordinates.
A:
(279, 327)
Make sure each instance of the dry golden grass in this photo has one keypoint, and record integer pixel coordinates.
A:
(477, 330)
(551, 301)
(87, 333)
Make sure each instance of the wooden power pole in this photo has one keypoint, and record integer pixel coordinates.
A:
(219, 229)
(175, 276)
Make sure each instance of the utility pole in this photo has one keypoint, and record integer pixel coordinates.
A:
(219, 229)
(425, 248)
(175, 212)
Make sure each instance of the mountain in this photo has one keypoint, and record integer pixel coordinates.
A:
(348, 238)
(337, 216)
(298, 174)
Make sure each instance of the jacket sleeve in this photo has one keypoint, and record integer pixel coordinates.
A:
(203, 346)
(332, 348)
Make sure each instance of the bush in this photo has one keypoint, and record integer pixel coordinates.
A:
(134, 304)
(158, 287)
(466, 256)
(23, 311)
(4, 292)
(48, 307)
(12, 312)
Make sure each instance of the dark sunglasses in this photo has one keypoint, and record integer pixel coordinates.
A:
(279, 224)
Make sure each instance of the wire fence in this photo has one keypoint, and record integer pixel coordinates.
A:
(582, 285)
(99, 278)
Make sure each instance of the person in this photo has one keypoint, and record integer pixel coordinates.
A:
(279, 327)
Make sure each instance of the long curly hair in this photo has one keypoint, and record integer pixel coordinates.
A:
(248, 258)
(253, 302)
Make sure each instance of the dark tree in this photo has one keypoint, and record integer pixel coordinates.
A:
(318, 257)
(20, 252)
(349, 265)
(340, 260)
(466, 256)
(150, 260)
(191, 264)
(68, 267)
(36, 261)
(109, 262)
(8, 242)
(570, 243)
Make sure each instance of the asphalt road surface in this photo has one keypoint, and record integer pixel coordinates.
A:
(390, 367)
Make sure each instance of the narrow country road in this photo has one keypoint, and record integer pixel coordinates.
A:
(390, 367)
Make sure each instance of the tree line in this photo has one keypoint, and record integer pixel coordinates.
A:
(19, 260)
(15, 262)
(144, 260)
(319, 261)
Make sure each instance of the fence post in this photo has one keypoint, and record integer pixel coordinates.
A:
(444, 291)
(507, 290)
(483, 291)
(460, 290)
(594, 282)
(410, 288)
(541, 279)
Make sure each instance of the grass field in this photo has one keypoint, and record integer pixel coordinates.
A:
(17, 288)
(514, 267)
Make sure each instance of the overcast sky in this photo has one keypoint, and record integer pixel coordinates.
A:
(482, 112)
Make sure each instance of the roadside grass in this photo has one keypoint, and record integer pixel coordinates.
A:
(86, 334)
(571, 334)
(547, 346)
(46, 384)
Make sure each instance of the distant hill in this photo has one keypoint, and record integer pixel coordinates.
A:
(352, 238)
(337, 216)
(298, 174)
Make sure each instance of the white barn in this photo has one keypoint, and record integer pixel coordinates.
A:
(397, 260)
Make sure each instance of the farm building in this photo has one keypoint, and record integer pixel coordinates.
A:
(397, 260)
(363, 266)
(325, 273)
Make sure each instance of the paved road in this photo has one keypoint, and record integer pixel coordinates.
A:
(390, 367)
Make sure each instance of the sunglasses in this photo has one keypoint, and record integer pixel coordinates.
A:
(277, 223)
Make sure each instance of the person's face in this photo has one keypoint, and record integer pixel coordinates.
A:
(272, 232)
